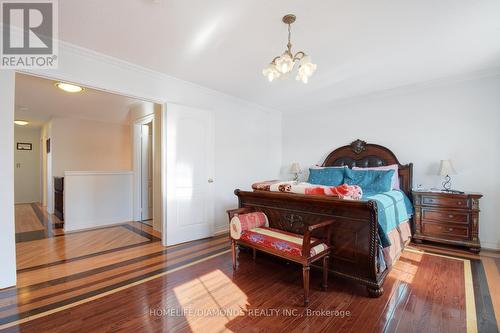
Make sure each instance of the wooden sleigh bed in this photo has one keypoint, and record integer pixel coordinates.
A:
(354, 236)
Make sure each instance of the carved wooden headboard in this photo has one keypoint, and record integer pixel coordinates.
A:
(362, 154)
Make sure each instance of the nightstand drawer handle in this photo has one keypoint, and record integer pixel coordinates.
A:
(451, 216)
(459, 203)
(449, 229)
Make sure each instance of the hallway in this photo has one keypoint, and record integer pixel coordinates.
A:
(33, 223)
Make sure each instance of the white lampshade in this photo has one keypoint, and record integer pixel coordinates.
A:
(284, 63)
(306, 69)
(446, 168)
(271, 72)
(295, 168)
(306, 66)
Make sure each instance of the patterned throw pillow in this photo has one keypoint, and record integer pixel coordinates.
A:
(395, 176)
(327, 176)
(370, 180)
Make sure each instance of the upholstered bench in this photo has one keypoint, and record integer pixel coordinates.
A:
(251, 229)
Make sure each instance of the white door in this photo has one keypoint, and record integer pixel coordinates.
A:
(146, 172)
(190, 172)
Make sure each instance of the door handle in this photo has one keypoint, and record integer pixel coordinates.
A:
(210, 180)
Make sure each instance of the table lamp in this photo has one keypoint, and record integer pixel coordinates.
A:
(446, 169)
(295, 169)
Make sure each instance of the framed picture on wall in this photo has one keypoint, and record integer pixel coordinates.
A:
(24, 146)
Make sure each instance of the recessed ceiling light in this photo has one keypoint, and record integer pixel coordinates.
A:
(68, 87)
(21, 122)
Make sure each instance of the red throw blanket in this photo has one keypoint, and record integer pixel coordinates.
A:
(344, 191)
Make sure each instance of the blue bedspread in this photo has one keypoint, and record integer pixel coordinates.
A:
(393, 207)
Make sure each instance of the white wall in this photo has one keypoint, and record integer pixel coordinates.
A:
(96, 199)
(248, 136)
(247, 142)
(27, 165)
(7, 232)
(459, 121)
(83, 145)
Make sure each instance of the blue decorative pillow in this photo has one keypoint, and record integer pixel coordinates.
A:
(370, 180)
(328, 176)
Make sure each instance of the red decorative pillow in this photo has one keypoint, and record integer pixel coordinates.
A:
(242, 222)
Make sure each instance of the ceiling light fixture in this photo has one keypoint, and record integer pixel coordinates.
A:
(69, 87)
(285, 63)
(21, 122)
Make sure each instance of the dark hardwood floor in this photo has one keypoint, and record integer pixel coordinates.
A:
(200, 293)
(120, 279)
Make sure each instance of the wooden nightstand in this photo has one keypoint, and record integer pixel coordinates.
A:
(447, 218)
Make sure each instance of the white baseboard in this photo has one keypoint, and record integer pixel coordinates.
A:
(7, 284)
(490, 245)
(97, 226)
(220, 230)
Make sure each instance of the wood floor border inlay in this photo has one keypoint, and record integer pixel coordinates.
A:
(141, 232)
(12, 320)
(44, 219)
(39, 214)
(108, 278)
(27, 289)
(478, 299)
(87, 256)
(37, 234)
(484, 305)
(395, 309)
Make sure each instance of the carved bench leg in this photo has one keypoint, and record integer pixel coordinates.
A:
(254, 254)
(375, 292)
(325, 272)
(234, 251)
(305, 276)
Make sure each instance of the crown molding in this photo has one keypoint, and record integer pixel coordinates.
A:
(408, 87)
(66, 47)
(397, 89)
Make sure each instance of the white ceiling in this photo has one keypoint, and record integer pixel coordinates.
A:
(37, 100)
(360, 46)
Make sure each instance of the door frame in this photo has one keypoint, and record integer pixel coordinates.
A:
(137, 167)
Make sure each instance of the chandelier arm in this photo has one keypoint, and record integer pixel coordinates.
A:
(298, 56)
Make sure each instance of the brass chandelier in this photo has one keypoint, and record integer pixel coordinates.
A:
(285, 63)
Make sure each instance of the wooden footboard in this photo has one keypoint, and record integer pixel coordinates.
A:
(354, 232)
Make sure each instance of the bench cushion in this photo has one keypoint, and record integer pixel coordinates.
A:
(279, 240)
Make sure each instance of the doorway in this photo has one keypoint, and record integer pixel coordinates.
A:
(147, 172)
(147, 131)
(65, 138)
